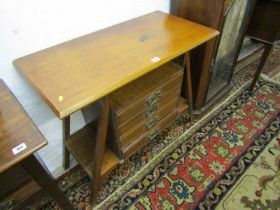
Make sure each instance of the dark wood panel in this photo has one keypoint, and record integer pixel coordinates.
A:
(205, 12)
(208, 13)
(12, 179)
(206, 59)
(265, 21)
(24, 195)
(264, 27)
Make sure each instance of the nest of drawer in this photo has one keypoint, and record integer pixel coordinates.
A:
(143, 108)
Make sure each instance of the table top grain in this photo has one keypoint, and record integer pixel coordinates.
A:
(16, 128)
(74, 74)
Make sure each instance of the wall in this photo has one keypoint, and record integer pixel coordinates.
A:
(31, 25)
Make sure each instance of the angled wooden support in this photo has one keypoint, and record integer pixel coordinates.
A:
(39, 172)
(188, 84)
(100, 147)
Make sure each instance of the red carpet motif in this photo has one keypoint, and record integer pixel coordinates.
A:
(183, 179)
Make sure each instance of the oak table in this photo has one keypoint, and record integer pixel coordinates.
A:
(79, 72)
(19, 141)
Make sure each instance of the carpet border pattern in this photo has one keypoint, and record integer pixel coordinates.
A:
(186, 135)
(221, 187)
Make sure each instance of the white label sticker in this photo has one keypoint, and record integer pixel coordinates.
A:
(19, 148)
(155, 59)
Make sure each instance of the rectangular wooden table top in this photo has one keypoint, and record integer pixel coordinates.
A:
(72, 75)
(19, 137)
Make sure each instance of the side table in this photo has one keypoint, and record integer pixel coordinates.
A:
(19, 141)
(77, 73)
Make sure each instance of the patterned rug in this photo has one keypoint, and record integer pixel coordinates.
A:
(199, 172)
(153, 153)
(75, 183)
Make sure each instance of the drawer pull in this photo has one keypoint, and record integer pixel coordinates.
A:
(152, 121)
(153, 134)
(155, 96)
(152, 109)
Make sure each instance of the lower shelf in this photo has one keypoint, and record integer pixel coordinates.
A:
(82, 144)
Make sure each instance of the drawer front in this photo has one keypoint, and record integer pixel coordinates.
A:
(153, 109)
(127, 113)
(148, 136)
(146, 124)
(135, 91)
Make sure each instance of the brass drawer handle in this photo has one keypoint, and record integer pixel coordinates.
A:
(155, 96)
(152, 121)
(153, 134)
(153, 107)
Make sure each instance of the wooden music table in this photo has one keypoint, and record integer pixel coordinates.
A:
(77, 73)
(19, 141)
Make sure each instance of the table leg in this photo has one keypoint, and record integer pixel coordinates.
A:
(39, 172)
(267, 49)
(188, 81)
(207, 68)
(66, 134)
(100, 146)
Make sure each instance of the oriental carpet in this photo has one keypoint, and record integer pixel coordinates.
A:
(199, 172)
